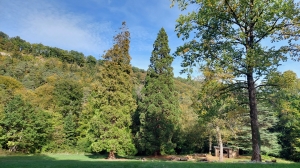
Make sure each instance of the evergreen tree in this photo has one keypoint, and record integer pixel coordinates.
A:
(268, 135)
(70, 130)
(112, 102)
(159, 107)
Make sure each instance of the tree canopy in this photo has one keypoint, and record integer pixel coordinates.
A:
(231, 35)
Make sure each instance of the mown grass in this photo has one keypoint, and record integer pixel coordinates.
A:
(80, 160)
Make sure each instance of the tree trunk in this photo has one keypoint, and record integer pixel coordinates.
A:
(210, 143)
(254, 120)
(111, 155)
(157, 153)
(220, 144)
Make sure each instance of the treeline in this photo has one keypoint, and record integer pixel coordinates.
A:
(52, 104)
(67, 102)
(18, 46)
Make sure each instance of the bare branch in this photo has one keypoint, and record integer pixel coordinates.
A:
(268, 31)
(263, 85)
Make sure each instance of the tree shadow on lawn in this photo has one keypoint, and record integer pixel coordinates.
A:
(96, 156)
(105, 156)
(44, 161)
(59, 161)
(22, 157)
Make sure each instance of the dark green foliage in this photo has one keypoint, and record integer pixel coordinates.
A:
(68, 96)
(269, 141)
(3, 35)
(70, 130)
(79, 58)
(91, 61)
(286, 101)
(159, 108)
(289, 128)
(269, 136)
(289, 139)
(24, 128)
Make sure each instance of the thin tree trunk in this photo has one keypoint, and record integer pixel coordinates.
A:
(210, 143)
(220, 144)
(254, 119)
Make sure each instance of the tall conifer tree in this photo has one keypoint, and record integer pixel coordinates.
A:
(159, 107)
(113, 103)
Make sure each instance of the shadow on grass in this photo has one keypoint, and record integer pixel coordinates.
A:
(96, 156)
(22, 157)
(105, 155)
(66, 161)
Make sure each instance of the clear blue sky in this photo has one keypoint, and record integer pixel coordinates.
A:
(88, 26)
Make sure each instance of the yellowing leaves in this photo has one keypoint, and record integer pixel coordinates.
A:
(186, 50)
(10, 83)
(52, 79)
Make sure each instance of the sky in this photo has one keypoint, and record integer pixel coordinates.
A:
(88, 26)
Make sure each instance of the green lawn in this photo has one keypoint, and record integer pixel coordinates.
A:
(73, 160)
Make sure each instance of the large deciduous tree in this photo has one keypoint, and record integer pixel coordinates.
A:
(233, 35)
(112, 102)
(159, 107)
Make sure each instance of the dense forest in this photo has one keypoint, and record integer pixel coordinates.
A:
(54, 100)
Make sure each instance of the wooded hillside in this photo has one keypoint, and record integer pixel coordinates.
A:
(53, 100)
